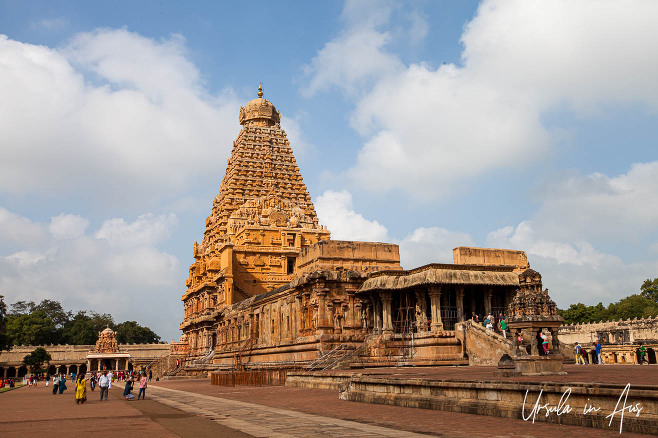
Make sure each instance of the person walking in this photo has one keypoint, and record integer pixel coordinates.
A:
(62, 384)
(55, 384)
(143, 383)
(104, 384)
(599, 358)
(47, 379)
(544, 342)
(643, 354)
(80, 389)
(150, 375)
(92, 381)
(579, 354)
(503, 326)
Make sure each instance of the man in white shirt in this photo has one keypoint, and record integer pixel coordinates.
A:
(104, 384)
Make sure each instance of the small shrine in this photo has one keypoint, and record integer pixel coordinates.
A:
(106, 355)
(533, 316)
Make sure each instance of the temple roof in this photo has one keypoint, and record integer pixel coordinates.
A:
(441, 274)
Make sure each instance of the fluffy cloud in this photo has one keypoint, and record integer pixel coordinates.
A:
(593, 206)
(336, 211)
(112, 113)
(146, 230)
(575, 272)
(426, 127)
(67, 226)
(431, 245)
(357, 54)
(118, 269)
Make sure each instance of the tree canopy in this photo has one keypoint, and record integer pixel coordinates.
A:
(640, 305)
(4, 339)
(47, 322)
(36, 360)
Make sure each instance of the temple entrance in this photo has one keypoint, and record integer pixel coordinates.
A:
(11, 372)
(22, 372)
(83, 369)
(73, 369)
(449, 313)
(62, 369)
(651, 355)
(52, 369)
(403, 308)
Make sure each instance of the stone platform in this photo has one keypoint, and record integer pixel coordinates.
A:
(477, 390)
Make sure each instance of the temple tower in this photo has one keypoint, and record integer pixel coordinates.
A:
(261, 218)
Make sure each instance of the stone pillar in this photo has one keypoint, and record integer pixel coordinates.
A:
(116, 364)
(555, 343)
(459, 293)
(386, 312)
(435, 307)
(322, 309)
(68, 368)
(89, 365)
(487, 301)
(377, 315)
(350, 322)
(533, 344)
(4, 374)
(421, 311)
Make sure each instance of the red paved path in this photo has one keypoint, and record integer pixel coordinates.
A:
(438, 423)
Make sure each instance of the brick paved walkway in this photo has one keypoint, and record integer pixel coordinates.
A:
(325, 403)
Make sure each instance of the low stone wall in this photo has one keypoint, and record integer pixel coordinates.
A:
(317, 380)
(630, 331)
(516, 400)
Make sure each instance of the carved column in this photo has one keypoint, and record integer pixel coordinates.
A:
(350, 322)
(421, 311)
(386, 312)
(435, 308)
(487, 301)
(459, 293)
(533, 344)
(377, 314)
(555, 342)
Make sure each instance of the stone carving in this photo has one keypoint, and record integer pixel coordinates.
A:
(107, 342)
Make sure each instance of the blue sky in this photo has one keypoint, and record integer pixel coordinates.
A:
(518, 124)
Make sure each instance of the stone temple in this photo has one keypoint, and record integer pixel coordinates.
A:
(269, 288)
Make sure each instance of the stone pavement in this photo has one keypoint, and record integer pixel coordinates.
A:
(324, 405)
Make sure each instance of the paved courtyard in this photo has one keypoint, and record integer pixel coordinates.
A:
(194, 408)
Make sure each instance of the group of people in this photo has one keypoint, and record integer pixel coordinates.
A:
(7, 383)
(580, 353)
(490, 322)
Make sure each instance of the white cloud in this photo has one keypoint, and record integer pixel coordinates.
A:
(336, 211)
(620, 207)
(16, 229)
(117, 270)
(427, 127)
(431, 245)
(113, 116)
(357, 55)
(147, 229)
(67, 226)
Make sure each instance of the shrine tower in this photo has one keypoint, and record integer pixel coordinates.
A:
(261, 218)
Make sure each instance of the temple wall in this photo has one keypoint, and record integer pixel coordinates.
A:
(77, 354)
(359, 256)
(466, 255)
(612, 332)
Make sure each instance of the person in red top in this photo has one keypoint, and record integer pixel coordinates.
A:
(143, 382)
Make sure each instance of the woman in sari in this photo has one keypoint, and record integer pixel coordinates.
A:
(62, 384)
(80, 389)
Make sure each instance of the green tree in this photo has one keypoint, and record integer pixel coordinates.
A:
(649, 289)
(581, 313)
(101, 320)
(31, 329)
(54, 311)
(5, 343)
(36, 360)
(633, 306)
(79, 330)
(129, 332)
(22, 307)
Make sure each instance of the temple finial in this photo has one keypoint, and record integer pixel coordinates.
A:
(260, 90)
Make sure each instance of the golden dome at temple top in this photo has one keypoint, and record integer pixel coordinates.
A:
(108, 331)
(259, 110)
